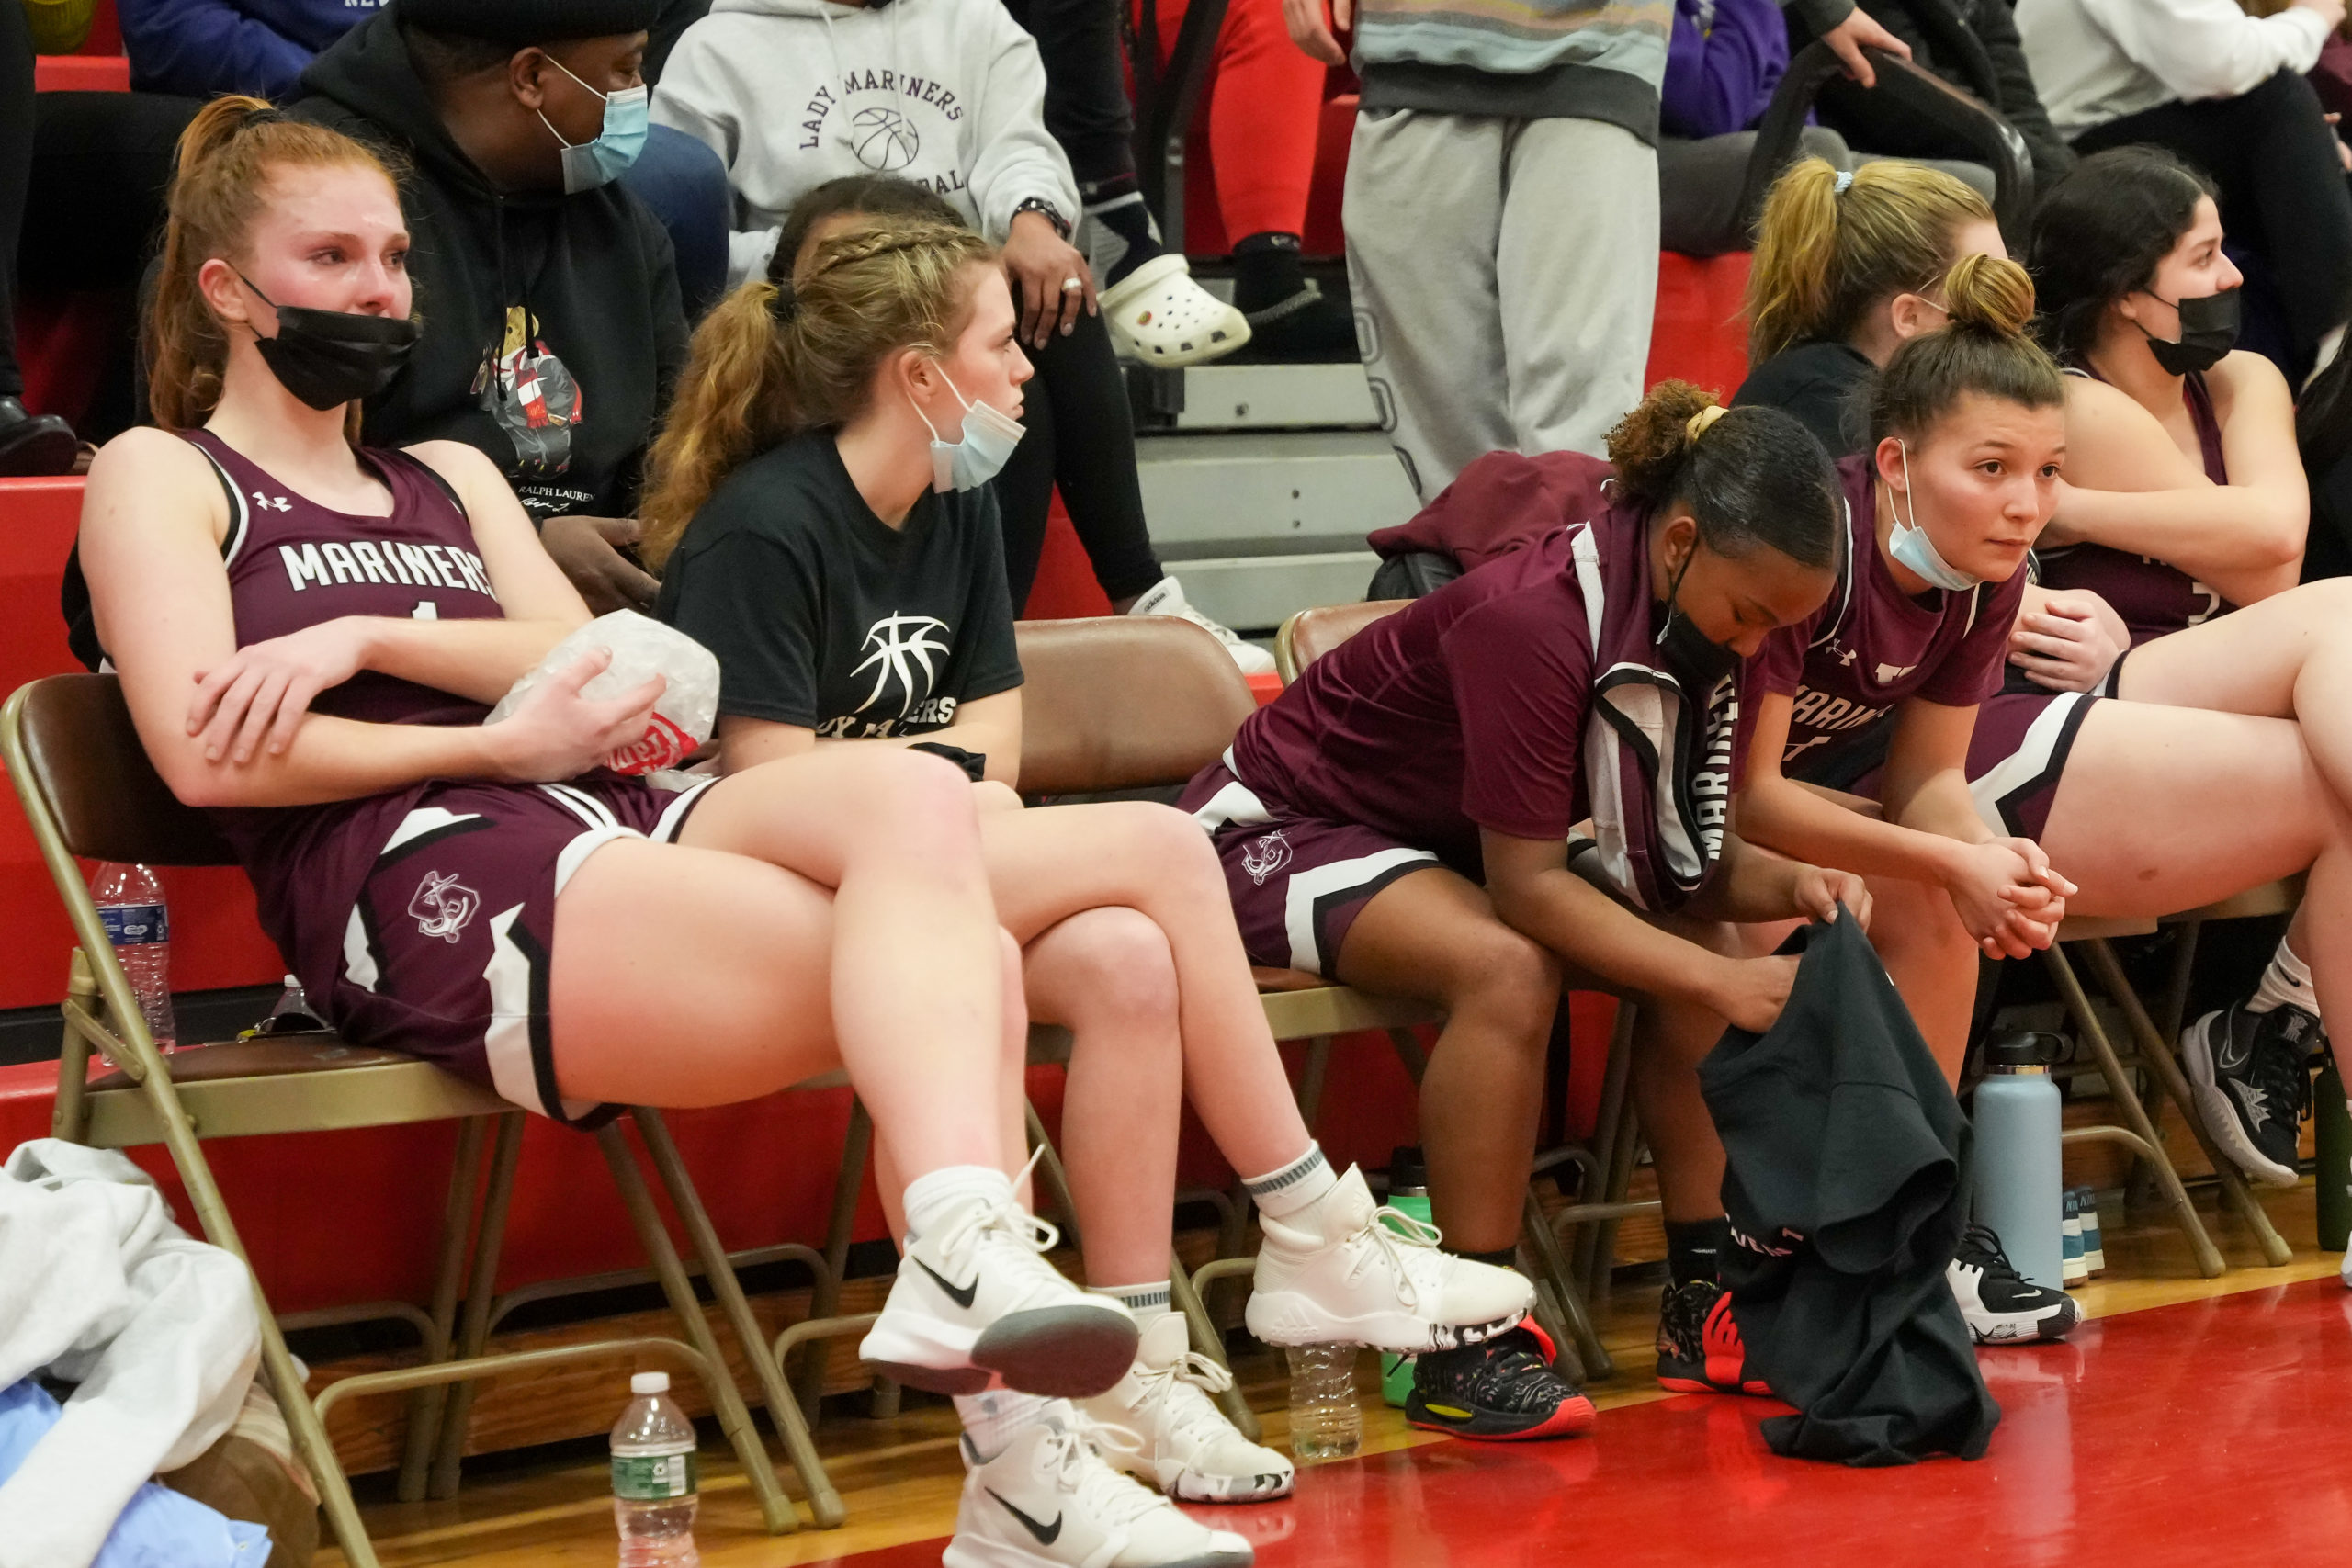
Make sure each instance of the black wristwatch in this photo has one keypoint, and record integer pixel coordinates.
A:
(1046, 210)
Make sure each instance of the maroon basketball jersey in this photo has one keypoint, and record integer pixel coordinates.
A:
(293, 564)
(2152, 597)
(1872, 645)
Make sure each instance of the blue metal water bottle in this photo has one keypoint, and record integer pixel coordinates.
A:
(2019, 1188)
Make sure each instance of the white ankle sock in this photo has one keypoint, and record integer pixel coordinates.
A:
(1299, 1185)
(1146, 1303)
(935, 1194)
(992, 1419)
(2288, 980)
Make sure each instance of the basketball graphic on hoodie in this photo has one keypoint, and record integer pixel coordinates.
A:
(883, 138)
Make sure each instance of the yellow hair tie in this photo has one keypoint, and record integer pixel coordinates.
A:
(1706, 416)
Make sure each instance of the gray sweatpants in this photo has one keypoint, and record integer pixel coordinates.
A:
(1504, 274)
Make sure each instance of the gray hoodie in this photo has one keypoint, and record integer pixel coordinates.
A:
(949, 93)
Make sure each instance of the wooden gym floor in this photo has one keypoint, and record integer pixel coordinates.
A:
(2191, 1422)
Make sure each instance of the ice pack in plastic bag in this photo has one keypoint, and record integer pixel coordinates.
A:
(641, 649)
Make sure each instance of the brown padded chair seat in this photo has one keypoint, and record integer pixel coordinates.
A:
(263, 1059)
(1287, 979)
(1314, 633)
(1123, 701)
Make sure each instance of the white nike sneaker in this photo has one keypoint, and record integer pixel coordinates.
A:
(1049, 1500)
(976, 1302)
(1365, 1275)
(1166, 597)
(1187, 1449)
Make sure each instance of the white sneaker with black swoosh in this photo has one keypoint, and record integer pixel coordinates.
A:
(1185, 1444)
(1348, 1272)
(976, 1304)
(1048, 1500)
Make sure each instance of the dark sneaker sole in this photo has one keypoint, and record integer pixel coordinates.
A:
(2219, 1116)
(1573, 1415)
(1060, 1352)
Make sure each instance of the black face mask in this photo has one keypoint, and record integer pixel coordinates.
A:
(327, 358)
(1688, 653)
(2209, 329)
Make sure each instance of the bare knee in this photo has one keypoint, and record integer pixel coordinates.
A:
(917, 805)
(1108, 967)
(1510, 982)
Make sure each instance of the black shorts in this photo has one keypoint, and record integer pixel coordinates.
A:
(446, 954)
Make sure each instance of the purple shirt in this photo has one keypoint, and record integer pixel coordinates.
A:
(1872, 645)
(1476, 708)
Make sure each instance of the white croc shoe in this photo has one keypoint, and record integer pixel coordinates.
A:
(1162, 317)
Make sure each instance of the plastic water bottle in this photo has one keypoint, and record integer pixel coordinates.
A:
(2019, 1191)
(130, 904)
(1409, 1193)
(2332, 1129)
(653, 1478)
(1324, 1421)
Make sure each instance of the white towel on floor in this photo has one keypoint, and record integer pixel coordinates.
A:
(99, 1288)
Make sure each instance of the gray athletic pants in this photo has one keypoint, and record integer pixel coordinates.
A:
(1504, 274)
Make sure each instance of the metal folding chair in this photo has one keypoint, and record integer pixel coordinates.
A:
(87, 789)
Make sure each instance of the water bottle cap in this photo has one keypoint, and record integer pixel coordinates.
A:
(1408, 1171)
(648, 1382)
(2026, 1052)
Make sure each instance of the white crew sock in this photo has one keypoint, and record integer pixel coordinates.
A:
(1299, 1185)
(1146, 1303)
(2287, 981)
(931, 1197)
(992, 1419)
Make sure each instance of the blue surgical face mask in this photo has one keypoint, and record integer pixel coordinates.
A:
(1910, 545)
(599, 163)
(989, 436)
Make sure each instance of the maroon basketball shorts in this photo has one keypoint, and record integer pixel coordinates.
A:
(2018, 754)
(1297, 883)
(446, 955)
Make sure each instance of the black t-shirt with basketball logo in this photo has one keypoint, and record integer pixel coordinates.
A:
(823, 615)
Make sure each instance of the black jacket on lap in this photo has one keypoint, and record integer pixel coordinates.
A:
(1972, 44)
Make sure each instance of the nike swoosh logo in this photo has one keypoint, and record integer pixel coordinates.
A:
(2232, 1055)
(962, 1298)
(1047, 1534)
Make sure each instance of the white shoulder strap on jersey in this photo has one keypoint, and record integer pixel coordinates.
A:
(1585, 553)
(1846, 554)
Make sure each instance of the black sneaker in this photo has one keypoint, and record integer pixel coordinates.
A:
(1698, 1346)
(2249, 1074)
(2002, 1306)
(1501, 1389)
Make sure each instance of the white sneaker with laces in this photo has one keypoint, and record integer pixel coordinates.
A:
(975, 1302)
(1167, 598)
(1348, 1272)
(1050, 1500)
(1187, 1449)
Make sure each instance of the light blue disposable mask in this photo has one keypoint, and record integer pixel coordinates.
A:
(990, 434)
(590, 164)
(1910, 545)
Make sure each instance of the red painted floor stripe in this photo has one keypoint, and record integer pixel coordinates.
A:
(2206, 1434)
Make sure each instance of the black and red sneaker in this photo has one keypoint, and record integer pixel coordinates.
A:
(1699, 1347)
(1502, 1389)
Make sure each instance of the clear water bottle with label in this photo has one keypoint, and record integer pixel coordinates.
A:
(653, 1478)
(1324, 1420)
(130, 903)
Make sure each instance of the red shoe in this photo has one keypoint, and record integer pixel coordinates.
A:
(1699, 1347)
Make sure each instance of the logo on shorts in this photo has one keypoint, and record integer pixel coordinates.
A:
(442, 908)
(1265, 856)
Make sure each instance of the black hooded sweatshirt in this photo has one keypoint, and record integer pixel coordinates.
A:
(564, 408)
